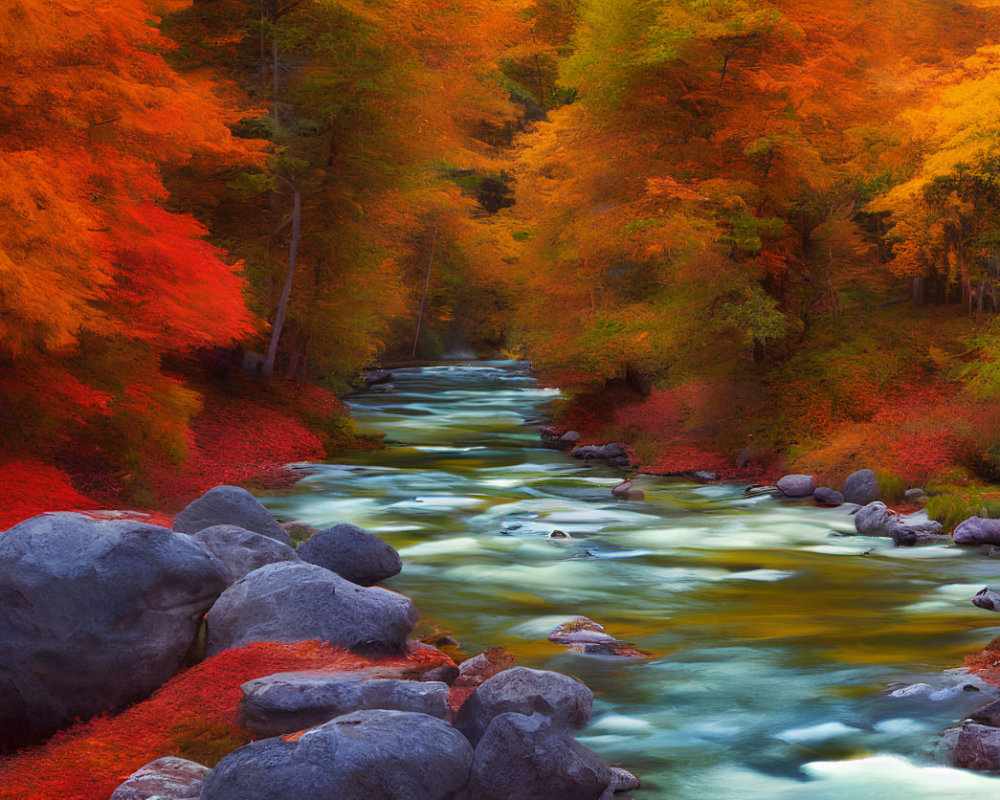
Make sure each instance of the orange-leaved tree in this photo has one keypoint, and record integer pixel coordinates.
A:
(100, 274)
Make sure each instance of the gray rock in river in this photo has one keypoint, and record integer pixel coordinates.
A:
(987, 715)
(94, 615)
(987, 599)
(977, 530)
(530, 757)
(168, 778)
(291, 602)
(230, 505)
(797, 485)
(242, 551)
(874, 519)
(978, 748)
(828, 497)
(352, 553)
(526, 691)
(861, 487)
(365, 755)
(293, 701)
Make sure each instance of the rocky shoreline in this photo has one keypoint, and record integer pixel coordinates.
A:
(97, 613)
(974, 744)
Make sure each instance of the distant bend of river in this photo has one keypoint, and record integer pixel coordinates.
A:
(775, 639)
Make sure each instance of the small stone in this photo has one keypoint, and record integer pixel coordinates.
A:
(828, 497)
(622, 489)
(797, 485)
(705, 476)
(914, 496)
(492, 661)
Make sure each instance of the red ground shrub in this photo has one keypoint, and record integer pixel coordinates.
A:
(192, 716)
(30, 487)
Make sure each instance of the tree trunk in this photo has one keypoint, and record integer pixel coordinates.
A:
(286, 292)
(423, 299)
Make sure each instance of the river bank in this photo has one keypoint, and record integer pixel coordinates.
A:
(775, 641)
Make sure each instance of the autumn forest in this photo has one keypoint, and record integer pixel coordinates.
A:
(741, 235)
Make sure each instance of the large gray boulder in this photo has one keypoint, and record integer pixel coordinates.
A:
(243, 551)
(529, 757)
(352, 553)
(94, 615)
(292, 701)
(977, 530)
(290, 602)
(861, 487)
(366, 755)
(526, 691)
(168, 778)
(797, 485)
(230, 505)
(978, 747)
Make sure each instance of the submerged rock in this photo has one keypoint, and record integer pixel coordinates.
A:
(352, 553)
(377, 376)
(977, 530)
(94, 615)
(230, 505)
(797, 485)
(861, 487)
(583, 635)
(365, 755)
(168, 778)
(526, 691)
(292, 701)
(291, 602)
(492, 661)
(828, 497)
(523, 757)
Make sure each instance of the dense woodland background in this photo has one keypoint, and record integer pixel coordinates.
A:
(780, 220)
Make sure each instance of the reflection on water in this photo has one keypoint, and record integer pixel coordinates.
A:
(774, 638)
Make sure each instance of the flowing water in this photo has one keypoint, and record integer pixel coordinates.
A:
(776, 641)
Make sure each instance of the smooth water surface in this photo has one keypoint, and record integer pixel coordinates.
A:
(775, 641)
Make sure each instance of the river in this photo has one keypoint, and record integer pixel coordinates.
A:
(776, 641)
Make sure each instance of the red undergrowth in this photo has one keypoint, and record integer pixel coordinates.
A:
(194, 711)
(29, 487)
(236, 441)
